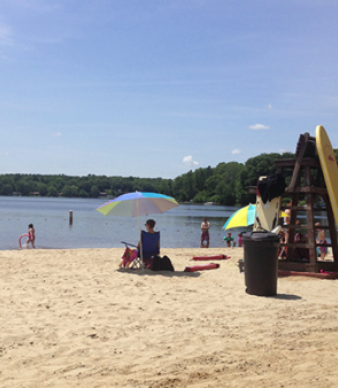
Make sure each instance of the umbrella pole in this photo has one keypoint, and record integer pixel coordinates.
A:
(139, 227)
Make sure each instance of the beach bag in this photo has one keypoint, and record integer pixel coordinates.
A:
(162, 264)
(126, 254)
(129, 255)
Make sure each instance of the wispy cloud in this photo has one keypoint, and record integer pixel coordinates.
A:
(56, 134)
(269, 106)
(6, 35)
(189, 161)
(11, 37)
(36, 5)
(197, 115)
(4, 153)
(236, 151)
(258, 127)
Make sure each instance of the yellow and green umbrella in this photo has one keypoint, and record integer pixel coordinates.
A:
(244, 217)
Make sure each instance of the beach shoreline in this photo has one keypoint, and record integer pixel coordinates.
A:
(69, 318)
(122, 247)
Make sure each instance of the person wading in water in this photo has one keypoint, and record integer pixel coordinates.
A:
(205, 233)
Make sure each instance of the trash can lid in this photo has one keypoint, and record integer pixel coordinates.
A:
(260, 236)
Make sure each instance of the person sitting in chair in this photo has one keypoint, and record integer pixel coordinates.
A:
(150, 247)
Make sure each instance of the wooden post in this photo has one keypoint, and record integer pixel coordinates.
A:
(310, 217)
(332, 227)
(292, 231)
(301, 151)
(70, 217)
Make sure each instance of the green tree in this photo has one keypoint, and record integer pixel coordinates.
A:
(69, 191)
(66, 191)
(199, 179)
(23, 187)
(7, 190)
(83, 194)
(226, 188)
(164, 187)
(189, 186)
(201, 197)
(52, 191)
(85, 185)
(225, 183)
(58, 182)
(74, 190)
(170, 186)
(95, 191)
(178, 191)
(42, 189)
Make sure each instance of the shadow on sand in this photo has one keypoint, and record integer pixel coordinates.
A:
(286, 297)
(168, 274)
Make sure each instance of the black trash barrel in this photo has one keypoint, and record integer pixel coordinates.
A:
(261, 263)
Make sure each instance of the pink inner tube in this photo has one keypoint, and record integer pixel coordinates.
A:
(23, 235)
(201, 267)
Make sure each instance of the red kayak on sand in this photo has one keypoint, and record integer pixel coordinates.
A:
(205, 258)
(201, 267)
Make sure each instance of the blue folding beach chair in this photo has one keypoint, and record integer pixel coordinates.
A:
(150, 247)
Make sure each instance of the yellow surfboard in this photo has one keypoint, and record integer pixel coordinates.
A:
(329, 166)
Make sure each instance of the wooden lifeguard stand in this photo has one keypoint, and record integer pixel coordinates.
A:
(307, 183)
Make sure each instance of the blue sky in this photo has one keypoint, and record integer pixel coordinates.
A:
(155, 88)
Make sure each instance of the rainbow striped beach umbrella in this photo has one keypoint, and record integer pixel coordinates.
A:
(138, 204)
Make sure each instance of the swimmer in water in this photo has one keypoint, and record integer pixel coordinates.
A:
(31, 235)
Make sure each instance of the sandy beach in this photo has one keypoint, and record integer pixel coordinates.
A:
(69, 318)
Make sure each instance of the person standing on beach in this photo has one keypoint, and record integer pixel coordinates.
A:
(321, 240)
(205, 233)
(31, 235)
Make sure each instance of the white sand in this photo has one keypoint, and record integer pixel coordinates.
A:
(68, 318)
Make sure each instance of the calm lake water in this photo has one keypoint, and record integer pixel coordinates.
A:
(180, 227)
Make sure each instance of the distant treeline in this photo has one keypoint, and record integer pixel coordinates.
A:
(224, 184)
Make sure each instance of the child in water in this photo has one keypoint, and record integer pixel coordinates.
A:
(31, 235)
(228, 239)
(240, 235)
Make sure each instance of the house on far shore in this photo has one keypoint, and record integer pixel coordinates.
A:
(103, 195)
(35, 194)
